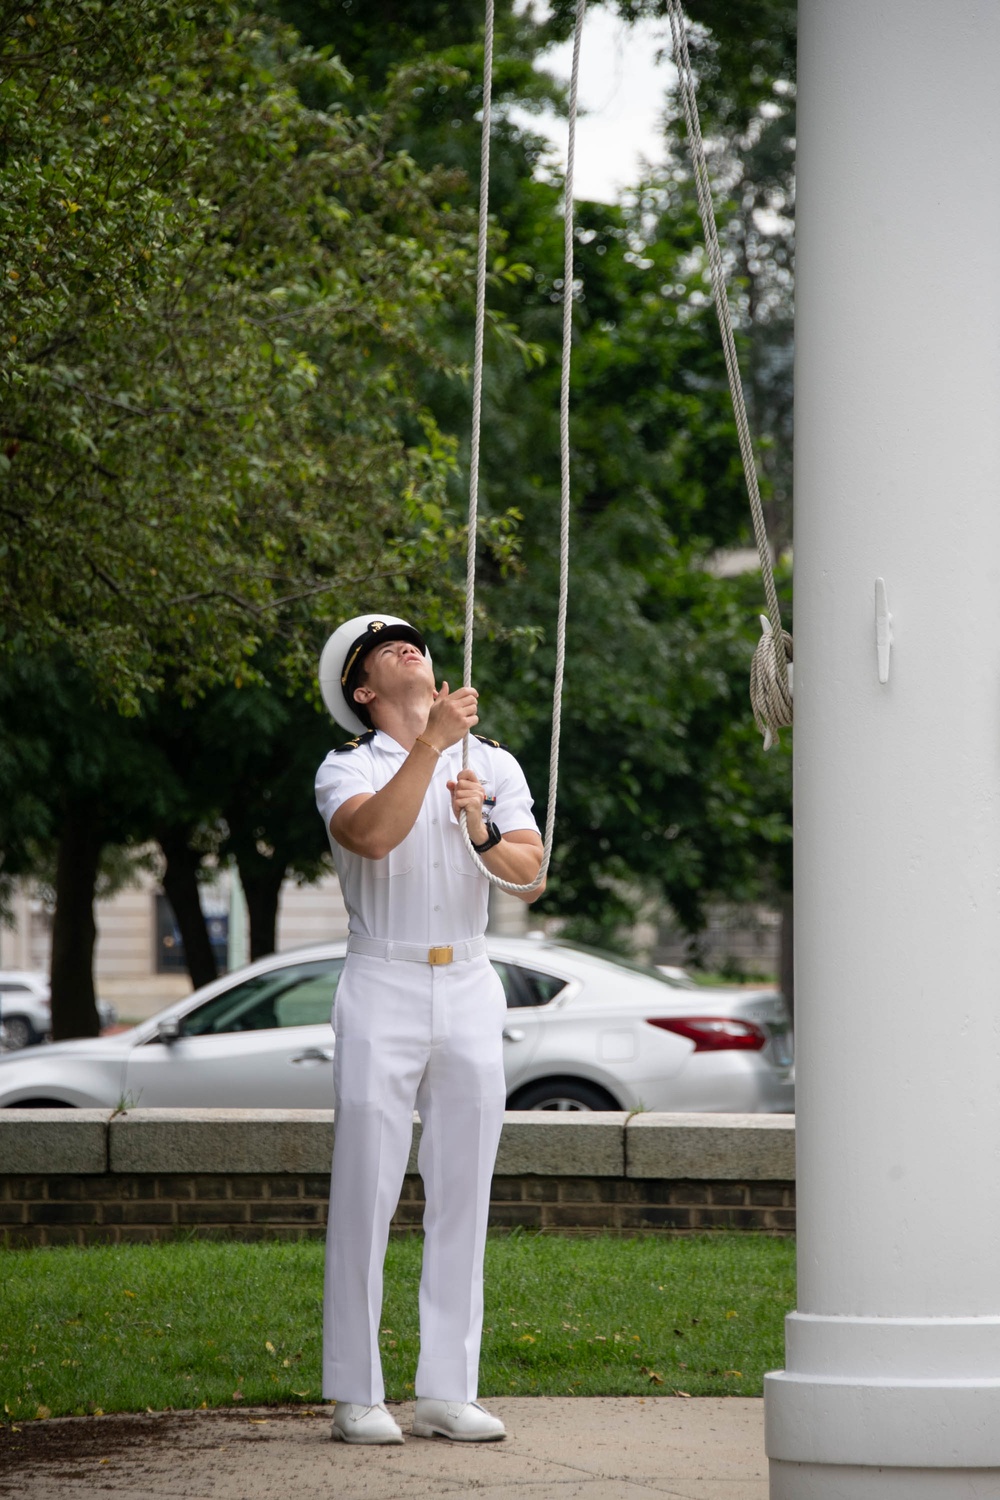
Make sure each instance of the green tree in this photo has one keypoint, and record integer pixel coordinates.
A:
(75, 779)
(745, 62)
(225, 779)
(664, 786)
(248, 756)
(214, 317)
(746, 66)
(273, 831)
(214, 309)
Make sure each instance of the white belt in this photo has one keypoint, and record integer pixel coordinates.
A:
(417, 953)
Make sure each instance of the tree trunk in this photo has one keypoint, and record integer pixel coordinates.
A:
(262, 881)
(787, 975)
(74, 931)
(180, 882)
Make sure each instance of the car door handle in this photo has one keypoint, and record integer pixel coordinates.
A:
(513, 1034)
(314, 1054)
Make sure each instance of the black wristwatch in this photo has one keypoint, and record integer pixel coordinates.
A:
(493, 837)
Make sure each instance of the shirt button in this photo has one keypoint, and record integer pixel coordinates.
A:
(434, 821)
(437, 908)
(437, 864)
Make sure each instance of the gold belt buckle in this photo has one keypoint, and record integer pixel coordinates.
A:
(445, 955)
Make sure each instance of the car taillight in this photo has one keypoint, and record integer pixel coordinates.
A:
(714, 1033)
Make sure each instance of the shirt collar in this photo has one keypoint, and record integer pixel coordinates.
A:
(393, 747)
(386, 742)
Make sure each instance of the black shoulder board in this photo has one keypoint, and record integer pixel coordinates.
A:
(487, 741)
(361, 739)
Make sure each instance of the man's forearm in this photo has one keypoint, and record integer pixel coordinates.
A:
(517, 862)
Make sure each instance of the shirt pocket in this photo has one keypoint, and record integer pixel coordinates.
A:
(459, 858)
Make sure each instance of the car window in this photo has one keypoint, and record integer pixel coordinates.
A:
(13, 988)
(300, 995)
(527, 986)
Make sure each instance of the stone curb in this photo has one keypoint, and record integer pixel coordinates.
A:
(53, 1140)
(221, 1140)
(745, 1148)
(573, 1144)
(648, 1146)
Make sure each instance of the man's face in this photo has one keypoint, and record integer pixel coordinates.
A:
(395, 670)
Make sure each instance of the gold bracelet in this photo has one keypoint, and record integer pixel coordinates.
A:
(422, 741)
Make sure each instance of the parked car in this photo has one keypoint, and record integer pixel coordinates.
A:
(583, 1032)
(26, 1011)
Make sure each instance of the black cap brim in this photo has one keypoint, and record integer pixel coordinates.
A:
(375, 635)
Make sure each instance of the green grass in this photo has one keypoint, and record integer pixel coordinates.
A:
(181, 1325)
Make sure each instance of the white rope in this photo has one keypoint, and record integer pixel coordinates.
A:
(477, 411)
(770, 678)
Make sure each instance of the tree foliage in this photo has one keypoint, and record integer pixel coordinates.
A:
(215, 302)
(745, 62)
(664, 789)
(75, 779)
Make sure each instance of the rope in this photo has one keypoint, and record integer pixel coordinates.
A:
(564, 467)
(770, 679)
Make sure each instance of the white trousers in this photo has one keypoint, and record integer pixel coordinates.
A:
(411, 1036)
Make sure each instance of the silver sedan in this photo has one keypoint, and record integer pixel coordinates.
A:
(584, 1031)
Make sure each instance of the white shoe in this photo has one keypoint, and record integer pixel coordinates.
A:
(363, 1424)
(462, 1421)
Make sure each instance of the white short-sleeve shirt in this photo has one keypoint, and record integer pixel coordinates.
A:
(427, 889)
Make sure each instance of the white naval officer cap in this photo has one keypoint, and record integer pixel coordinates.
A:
(344, 654)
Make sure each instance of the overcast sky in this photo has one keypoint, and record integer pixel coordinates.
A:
(622, 90)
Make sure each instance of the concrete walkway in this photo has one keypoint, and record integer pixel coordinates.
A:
(604, 1448)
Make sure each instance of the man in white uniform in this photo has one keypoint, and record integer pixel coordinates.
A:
(419, 1015)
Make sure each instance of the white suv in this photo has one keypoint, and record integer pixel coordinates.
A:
(26, 1011)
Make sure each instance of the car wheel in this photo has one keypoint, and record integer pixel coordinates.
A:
(562, 1093)
(18, 1032)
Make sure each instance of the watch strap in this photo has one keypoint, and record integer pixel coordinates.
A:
(493, 837)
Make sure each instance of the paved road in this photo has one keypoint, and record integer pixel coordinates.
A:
(604, 1448)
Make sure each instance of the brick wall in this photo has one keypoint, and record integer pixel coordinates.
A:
(78, 1177)
(87, 1210)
